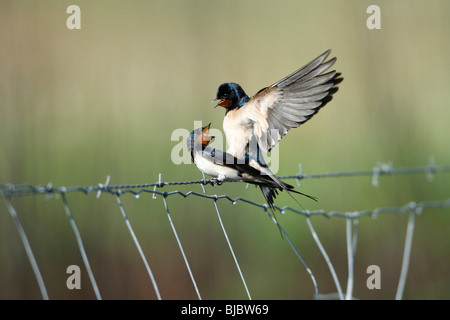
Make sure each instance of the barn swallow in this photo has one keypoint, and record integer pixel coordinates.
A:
(256, 124)
(222, 166)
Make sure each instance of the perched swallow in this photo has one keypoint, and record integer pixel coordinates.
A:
(222, 166)
(256, 124)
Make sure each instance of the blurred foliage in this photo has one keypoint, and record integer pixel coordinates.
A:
(78, 105)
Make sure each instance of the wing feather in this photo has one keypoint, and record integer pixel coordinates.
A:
(293, 77)
(291, 101)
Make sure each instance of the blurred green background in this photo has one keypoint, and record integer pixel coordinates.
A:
(78, 105)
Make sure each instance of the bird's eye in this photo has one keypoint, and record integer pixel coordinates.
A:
(225, 95)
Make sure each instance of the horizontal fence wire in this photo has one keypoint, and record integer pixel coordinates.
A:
(9, 191)
(382, 169)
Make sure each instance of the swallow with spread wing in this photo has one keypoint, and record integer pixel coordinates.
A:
(256, 124)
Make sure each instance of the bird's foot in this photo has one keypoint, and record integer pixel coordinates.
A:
(216, 182)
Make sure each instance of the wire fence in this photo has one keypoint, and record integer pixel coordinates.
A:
(9, 191)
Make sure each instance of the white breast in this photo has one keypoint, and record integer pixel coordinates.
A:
(216, 171)
(237, 132)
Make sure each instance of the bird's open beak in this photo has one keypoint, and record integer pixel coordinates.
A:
(206, 139)
(222, 102)
(206, 128)
(215, 101)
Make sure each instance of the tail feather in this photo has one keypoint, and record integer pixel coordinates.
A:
(290, 188)
(280, 184)
(270, 194)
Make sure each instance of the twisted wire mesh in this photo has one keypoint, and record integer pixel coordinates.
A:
(9, 191)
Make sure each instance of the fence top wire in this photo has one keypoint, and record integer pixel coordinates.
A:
(382, 169)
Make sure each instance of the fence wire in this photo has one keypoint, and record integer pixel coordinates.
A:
(9, 191)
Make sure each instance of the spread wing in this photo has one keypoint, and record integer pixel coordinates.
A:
(291, 101)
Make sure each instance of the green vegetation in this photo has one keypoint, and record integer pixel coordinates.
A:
(78, 105)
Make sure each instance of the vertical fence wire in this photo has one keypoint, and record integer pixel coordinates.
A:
(81, 246)
(181, 249)
(310, 273)
(232, 251)
(350, 259)
(139, 248)
(29, 252)
(406, 255)
(327, 259)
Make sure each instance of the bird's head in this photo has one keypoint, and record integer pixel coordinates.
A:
(199, 138)
(230, 95)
